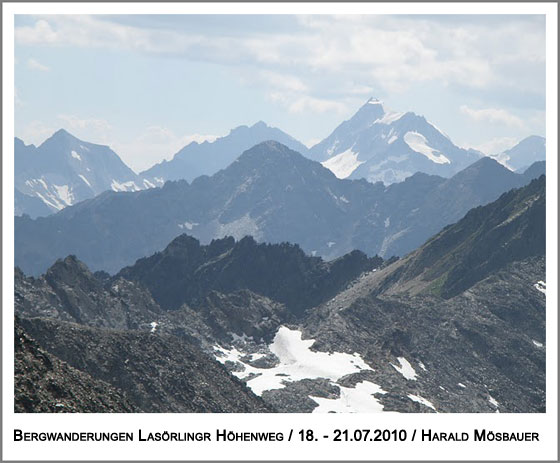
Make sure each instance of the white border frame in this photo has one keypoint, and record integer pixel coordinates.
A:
(545, 424)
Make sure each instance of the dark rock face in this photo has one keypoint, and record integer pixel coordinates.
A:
(456, 326)
(154, 360)
(70, 292)
(270, 193)
(160, 373)
(486, 239)
(466, 306)
(242, 313)
(490, 339)
(186, 272)
(44, 383)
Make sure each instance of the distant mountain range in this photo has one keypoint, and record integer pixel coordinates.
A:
(207, 158)
(271, 193)
(522, 155)
(458, 325)
(63, 171)
(374, 144)
(385, 146)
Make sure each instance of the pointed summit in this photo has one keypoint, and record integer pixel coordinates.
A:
(374, 101)
(65, 170)
(383, 145)
(366, 115)
(268, 152)
(259, 125)
(61, 134)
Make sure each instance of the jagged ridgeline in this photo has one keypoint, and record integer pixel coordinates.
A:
(271, 193)
(248, 327)
(375, 143)
(186, 272)
(111, 330)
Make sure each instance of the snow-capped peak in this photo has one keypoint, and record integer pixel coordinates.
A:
(374, 101)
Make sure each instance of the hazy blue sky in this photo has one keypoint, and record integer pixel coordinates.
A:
(147, 85)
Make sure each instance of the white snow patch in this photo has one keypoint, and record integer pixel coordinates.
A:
(115, 287)
(418, 143)
(493, 401)
(84, 147)
(332, 195)
(392, 140)
(125, 186)
(422, 366)
(330, 244)
(343, 164)
(243, 338)
(358, 399)
(76, 155)
(64, 192)
(389, 117)
(540, 286)
(389, 239)
(503, 159)
(297, 362)
(53, 202)
(400, 158)
(243, 226)
(387, 222)
(42, 182)
(314, 252)
(405, 369)
(188, 225)
(537, 343)
(154, 325)
(461, 385)
(148, 184)
(379, 173)
(344, 200)
(421, 400)
(84, 179)
(332, 149)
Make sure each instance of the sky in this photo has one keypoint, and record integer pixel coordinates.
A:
(147, 85)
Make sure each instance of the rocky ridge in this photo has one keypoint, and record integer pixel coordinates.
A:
(270, 193)
(456, 326)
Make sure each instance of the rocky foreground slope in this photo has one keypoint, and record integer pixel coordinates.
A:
(456, 326)
(44, 383)
(159, 373)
